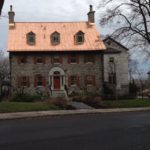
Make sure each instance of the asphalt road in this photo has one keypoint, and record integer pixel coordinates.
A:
(118, 131)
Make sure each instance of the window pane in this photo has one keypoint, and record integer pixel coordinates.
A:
(89, 80)
(73, 80)
(73, 59)
(56, 59)
(80, 38)
(90, 58)
(39, 59)
(39, 81)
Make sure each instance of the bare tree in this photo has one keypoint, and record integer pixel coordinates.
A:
(131, 19)
(4, 69)
(1, 5)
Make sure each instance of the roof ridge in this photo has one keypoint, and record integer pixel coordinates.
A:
(53, 22)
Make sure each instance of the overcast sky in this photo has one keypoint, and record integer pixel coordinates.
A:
(49, 11)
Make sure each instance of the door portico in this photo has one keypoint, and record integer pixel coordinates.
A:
(57, 78)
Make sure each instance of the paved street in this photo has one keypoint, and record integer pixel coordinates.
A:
(118, 131)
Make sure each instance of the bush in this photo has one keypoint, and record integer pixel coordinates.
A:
(26, 98)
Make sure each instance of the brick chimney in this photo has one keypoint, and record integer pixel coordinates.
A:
(91, 15)
(11, 15)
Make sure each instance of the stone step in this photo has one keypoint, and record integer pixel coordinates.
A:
(58, 93)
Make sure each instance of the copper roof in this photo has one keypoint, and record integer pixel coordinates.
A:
(17, 36)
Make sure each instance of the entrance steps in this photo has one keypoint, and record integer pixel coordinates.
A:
(58, 93)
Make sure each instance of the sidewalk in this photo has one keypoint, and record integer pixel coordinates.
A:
(22, 115)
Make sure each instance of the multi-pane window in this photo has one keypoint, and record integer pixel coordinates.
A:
(31, 39)
(90, 80)
(79, 37)
(39, 59)
(89, 59)
(55, 38)
(39, 80)
(56, 59)
(74, 80)
(112, 78)
(111, 59)
(22, 59)
(73, 59)
(23, 81)
(112, 66)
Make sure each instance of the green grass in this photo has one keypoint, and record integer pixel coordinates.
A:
(6, 107)
(126, 103)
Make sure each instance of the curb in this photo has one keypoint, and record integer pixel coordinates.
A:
(23, 115)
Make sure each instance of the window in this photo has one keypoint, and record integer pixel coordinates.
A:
(31, 38)
(89, 59)
(111, 59)
(90, 80)
(23, 81)
(55, 38)
(111, 65)
(22, 59)
(39, 81)
(73, 59)
(56, 59)
(79, 37)
(39, 59)
(112, 78)
(74, 80)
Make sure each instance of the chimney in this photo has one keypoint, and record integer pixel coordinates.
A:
(91, 15)
(11, 15)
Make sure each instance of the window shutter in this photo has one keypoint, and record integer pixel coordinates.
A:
(44, 59)
(52, 59)
(78, 81)
(78, 58)
(93, 58)
(69, 81)
(18, 82)
(94, 80)
(35, 81)
(19, 60)
(44, 81)
(35, 59)
(85, 80)
(68, 59)
(60, 60)
(28, 81)
(85, 58)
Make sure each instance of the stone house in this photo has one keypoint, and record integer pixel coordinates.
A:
(58, 58)
(54, 57)
(116, 71)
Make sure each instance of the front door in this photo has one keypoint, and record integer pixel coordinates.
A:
(56, 82)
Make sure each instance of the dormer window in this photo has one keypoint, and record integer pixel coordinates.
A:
(55, 38)
(31, 38)
(79, 37)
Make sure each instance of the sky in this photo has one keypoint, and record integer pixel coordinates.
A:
(52, 11)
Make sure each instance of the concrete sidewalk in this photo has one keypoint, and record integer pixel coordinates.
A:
(22, 115)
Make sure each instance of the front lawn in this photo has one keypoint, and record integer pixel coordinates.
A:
(125, 103)
(6, 107)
